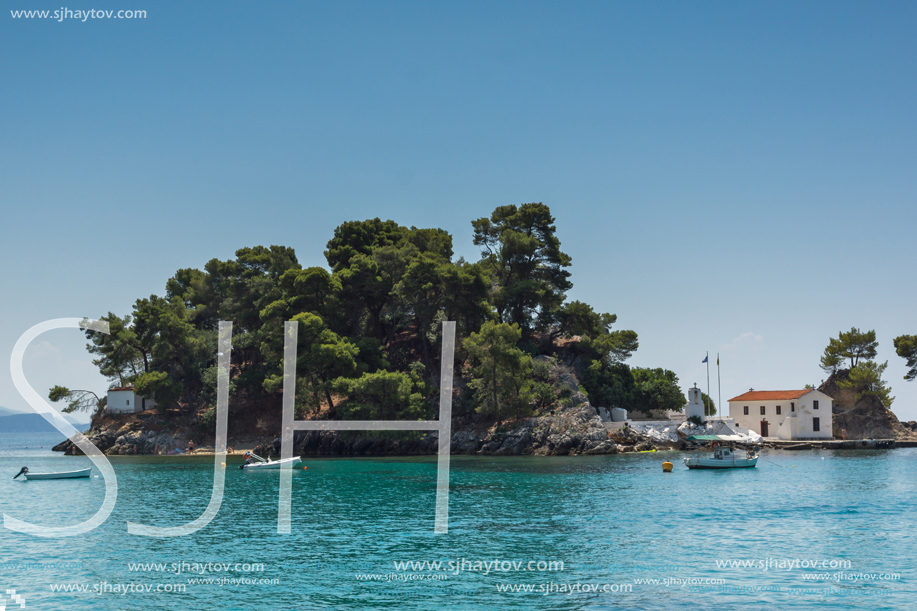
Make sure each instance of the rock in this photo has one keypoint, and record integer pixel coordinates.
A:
(567, 380)
(264, 450)
(361, 445)
(466, 442)
(560, 444)
(864, 418)
(606, 447)
(517, 442)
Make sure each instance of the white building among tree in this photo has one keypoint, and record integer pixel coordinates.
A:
(784, 414)
(125, 400)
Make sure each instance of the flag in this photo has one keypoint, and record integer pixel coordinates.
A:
(717, 360)
(705, 360)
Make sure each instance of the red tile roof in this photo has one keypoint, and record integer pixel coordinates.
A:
(771, 395)
(121, 388)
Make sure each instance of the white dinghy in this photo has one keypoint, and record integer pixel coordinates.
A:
(59, 475)
(253, 461)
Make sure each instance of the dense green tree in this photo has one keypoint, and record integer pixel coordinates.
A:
(865, 379)
(709, 404)
(256, 285)
(365, 292)
(360, 238)
(502, 372)
(180, 351)
(195, 289)
(596, 340)
(544, 382)
(657, 389)
(369, 260)
(122, 355)
(210, 382)
(906, 347)
(395, 313)
(224, 279)
(614, 384)
(610, 384)
(854, 345)
(614, 347)
(526, 266)
(384, 395)
(421, 291)
(310, 290)
(322, 357)
(433, 241)
(160, 386)
(578, 318)
(465, 296)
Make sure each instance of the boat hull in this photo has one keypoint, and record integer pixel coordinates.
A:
(63, 475)
(713, 463)
(274, 464)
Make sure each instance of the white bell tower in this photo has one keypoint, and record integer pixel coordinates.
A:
(695, 404)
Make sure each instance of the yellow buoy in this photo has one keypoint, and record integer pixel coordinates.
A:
(667, 467)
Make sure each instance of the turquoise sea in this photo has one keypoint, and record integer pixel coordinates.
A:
(810, 530)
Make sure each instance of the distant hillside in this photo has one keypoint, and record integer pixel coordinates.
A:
(7, 412)
(31, 423)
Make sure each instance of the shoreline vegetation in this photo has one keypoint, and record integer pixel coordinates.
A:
(531, 366)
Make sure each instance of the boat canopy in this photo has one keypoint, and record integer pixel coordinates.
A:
(717, 438)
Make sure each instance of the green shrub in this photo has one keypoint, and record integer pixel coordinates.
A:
(208, 420)
(544, 394)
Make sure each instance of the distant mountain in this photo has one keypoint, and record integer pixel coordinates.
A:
(15, 422)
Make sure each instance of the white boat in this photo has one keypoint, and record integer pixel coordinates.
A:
(253, 461)
(724, 457)
(60, 475)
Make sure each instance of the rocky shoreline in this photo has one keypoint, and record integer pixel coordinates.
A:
(571, 430)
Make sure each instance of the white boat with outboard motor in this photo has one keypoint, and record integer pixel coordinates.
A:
(724, 456)
(59, 475)
(253, 461)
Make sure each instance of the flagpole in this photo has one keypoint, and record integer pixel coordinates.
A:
(719, 387)
(707, 360)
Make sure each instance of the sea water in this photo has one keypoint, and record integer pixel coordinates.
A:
(805, 530)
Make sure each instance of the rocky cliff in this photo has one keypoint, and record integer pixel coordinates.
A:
(143, 433)
(863, 418)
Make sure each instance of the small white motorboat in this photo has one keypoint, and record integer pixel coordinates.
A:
(59, 475)
(253, 461)
(724, 457)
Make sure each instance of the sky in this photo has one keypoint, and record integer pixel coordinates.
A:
(731, 178)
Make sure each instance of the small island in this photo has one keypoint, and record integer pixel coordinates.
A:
(535, 373)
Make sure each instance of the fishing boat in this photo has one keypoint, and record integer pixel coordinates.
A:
(724, 456)
(253, 461)
(59, 475)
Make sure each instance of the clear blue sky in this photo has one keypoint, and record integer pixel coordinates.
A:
(728, 177)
